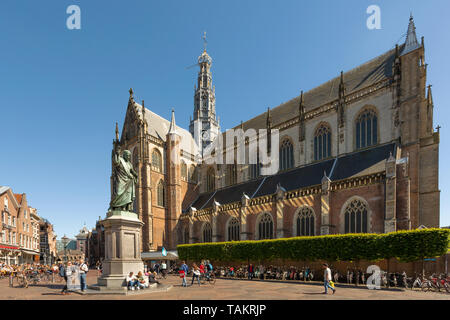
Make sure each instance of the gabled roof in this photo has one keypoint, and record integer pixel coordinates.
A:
(159, 127)
(4, 189)
(359, 163)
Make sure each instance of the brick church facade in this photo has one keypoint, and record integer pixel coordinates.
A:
(358, 154)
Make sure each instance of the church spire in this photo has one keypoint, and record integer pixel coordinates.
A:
(173, 127)
(204, 126)
(411, 42)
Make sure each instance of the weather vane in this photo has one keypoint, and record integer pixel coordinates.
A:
(204, 41)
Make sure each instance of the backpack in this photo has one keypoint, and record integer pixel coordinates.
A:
(61, 271)
(209, 266)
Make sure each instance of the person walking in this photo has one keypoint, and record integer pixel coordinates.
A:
(327, 279)
(83, 271)
(195, 273)
(250, 271)
(184, 268)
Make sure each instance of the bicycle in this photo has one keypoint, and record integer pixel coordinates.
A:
(208, 277)
(21, 279)
(33, 277)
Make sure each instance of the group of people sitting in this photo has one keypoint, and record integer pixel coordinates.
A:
(141, 280)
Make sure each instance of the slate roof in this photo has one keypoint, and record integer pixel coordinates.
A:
(355, 164)
(367, 74)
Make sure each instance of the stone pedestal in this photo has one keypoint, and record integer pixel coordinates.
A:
(122, 249)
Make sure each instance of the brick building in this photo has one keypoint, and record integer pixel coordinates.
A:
(18, 241)
(47, 238)
(96, 243)
(356, 154)
(82, 240)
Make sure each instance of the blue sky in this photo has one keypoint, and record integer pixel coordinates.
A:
(61, 91)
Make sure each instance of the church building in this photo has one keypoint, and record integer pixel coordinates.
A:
(357, 154)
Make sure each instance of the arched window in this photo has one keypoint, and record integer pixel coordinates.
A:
(210, 180)
(305, 222)
(366, 129)
(265, 227)
(286, 155)
(231, 176)
(233, 230)
(156, 161)
(160, 194)
(207, 232)
(322, 142)
(193, 174)
(183, 171)
(356, 217)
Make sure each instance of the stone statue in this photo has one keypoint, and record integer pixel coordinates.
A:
(124, 180)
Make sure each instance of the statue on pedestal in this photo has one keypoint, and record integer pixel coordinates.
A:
(124, 179)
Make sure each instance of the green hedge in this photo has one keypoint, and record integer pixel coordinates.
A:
(406, 246)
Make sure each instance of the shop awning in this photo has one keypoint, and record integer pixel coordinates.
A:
(157, 255)
(9, 247)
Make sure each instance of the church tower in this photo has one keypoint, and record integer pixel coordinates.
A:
(204, 126)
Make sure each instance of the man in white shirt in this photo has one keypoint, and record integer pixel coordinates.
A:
(83, 270)
(131, 281)
(327, 278)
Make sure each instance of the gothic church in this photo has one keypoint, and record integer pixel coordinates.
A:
(357, 154)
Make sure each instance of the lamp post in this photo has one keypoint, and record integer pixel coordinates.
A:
(65, 241)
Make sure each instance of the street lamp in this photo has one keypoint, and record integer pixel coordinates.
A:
(65, 241)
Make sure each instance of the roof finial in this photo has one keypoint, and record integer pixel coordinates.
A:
(143, 110)
(429, 96)
(131, 93)
(269, 118)
(117, 131)
(172, 129)
(301, 106)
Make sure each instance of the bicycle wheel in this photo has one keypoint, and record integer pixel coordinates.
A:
(212, 279)
(447, 287)
(22, 282)
(202, 279)
(425, 286)
(437, 287)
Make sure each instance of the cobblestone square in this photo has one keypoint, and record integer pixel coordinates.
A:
(224, 289)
